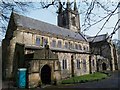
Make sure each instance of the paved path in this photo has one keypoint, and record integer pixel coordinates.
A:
(111, 82)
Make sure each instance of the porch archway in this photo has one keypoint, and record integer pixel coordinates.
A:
(46, 74)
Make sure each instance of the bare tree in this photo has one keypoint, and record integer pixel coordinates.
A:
(6, 7)
(91, 11)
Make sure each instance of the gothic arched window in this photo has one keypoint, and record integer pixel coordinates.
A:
(59, 45)
(45, 41)
(64, 64)
(76, 46)
(53, 43)
(87, 48)
(84, 65)
(66, 45)
(79, 47)
(93, 63)
(78, 64)
(41, 42)
(84, 48)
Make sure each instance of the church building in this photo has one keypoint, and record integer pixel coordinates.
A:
(48, 52)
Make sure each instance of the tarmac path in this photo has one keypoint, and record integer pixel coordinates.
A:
(111, 82)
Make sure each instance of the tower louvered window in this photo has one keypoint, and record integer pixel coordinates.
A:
(73, 21)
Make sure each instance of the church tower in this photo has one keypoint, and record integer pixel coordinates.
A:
(69, 18)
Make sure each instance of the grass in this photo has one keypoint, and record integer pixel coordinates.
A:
(85, 78)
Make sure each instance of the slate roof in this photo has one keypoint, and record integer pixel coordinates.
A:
(30, 23)
(97, 38)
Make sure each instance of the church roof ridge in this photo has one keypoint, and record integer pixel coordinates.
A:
(97, 38)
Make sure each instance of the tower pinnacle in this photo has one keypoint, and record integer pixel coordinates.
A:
(75, 6)
(60, 7)
(68, 4)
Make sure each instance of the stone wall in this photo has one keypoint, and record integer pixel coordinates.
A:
(93, 63)
(18, 60)
(100, 61)
(106, 50)
(28, 37)
(66, 73)
(34, 72)
(112, 57)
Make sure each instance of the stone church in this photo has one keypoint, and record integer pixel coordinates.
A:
(49, 52)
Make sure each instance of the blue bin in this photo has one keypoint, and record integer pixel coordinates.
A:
(22, 78)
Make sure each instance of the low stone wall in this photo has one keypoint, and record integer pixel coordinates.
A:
(33, 80)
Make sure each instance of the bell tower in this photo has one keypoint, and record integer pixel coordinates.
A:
(69, 18)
